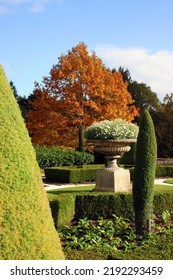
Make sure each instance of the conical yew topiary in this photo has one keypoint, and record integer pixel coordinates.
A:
(144, 173)
(26, 226)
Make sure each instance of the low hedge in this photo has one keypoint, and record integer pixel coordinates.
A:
(164, 171)
(47, 157)
(161, 171)
(62, 208)
(104, 205)
(90, 205)
(72, 174)
(96, 205)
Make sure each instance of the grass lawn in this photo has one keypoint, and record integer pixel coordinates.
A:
(72, 189)
(163, 188)
(169, 181)
(91, 187)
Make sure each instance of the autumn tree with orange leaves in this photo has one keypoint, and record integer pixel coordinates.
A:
(79, 91)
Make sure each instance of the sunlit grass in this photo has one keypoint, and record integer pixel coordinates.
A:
(168, 181)
(91, 188)
(71, 189)
(163, 188)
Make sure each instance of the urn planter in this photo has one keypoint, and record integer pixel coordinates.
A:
(112, 178)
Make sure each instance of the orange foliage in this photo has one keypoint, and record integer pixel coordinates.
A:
(79, 90)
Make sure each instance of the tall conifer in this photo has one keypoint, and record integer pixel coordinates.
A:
(144, 172)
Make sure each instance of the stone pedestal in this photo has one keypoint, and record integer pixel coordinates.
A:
(113, 180)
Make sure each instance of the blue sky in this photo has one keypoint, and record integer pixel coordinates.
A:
(133, 34)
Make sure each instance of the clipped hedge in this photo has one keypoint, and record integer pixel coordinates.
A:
(164, 171)
(161, 171)
(90, 205)
(96, 205)
(72, 174)
(62, 208)
(48, 157)
(104, 205)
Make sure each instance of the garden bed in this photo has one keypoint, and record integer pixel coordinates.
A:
(115, 238)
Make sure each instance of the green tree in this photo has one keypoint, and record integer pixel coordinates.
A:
(24, 104)
(26, 226)
(163, 122)
(144, 172)
(144, 98)
(23, 101)
(125, 74)
(14, 90)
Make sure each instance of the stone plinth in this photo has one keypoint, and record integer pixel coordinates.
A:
(113, 180)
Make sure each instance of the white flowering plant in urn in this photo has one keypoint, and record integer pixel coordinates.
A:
(112, 138)
(117, 129)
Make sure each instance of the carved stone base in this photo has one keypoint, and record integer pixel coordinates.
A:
(113, 180)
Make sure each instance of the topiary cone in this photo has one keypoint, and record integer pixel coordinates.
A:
(144, 172)
(26, 226)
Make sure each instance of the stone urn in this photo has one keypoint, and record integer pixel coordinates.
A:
(112, 178)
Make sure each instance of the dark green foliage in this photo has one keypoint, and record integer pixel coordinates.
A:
(71, 174)
(26, 226)
(48, 157)
(163, 122)
(164, 171)
(23, 101)
(144, 172)
(129, 157)
(163, 200)
(161, 171)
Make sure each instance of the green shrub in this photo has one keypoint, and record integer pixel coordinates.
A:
(163, 200)
(161, 171)
(62, 208)
(49, 157)
(164, 171)
(144, 172)
(26, 226)
(72, 174)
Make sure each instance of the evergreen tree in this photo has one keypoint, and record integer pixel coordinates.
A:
(144, 172)
(26, 226)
